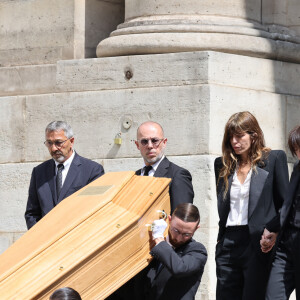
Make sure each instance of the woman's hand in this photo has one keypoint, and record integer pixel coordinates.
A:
(268, 240)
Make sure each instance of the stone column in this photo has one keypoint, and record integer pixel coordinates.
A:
(235, 26)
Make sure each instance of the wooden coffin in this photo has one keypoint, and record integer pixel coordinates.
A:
(93, 241)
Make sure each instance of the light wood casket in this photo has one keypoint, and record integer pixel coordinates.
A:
(93, 241)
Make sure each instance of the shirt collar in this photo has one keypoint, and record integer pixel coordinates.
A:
(155, 165)
(248, 175)
(68, 162)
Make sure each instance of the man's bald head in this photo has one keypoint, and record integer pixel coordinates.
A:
(149, 124)
(151, 142)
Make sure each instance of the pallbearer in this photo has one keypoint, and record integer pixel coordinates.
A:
(152, 144)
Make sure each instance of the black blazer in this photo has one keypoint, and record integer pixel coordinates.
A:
(293, 186)
(268, 190)
(179, 275)
(181, 188)
(42, 190)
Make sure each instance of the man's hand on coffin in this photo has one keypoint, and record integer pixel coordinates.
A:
(158, 229)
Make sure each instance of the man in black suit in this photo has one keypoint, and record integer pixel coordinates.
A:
(152, 143)
(176, 270)
(285, 273)
(57, 178)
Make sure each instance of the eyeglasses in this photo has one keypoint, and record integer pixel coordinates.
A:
(58, 144)
(176, 231)
(154, 141)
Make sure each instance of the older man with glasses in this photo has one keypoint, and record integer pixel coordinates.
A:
(152, 143)
(57, 178)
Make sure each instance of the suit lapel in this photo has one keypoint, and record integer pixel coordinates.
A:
(51, 181)
(257, 183)
(72, 174)
(294, 182)
(162, 168)
(138, 172)
(224, 204)
(291, 194)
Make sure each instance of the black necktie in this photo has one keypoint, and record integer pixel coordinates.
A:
(147, 170)
(60, 167)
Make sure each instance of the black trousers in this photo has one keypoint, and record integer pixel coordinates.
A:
(242, 274)
(285, 273)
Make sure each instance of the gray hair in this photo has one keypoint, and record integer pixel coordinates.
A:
(60, 125)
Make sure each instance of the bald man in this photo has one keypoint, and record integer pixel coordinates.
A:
(152, 144)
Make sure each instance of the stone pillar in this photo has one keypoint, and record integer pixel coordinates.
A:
(235, 26)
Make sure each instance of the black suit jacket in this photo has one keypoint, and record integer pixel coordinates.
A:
(268, 191)
(42, 190)
(181, 188)
(179, 274)
(293, 186)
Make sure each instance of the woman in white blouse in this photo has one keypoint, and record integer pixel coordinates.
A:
(252, 183)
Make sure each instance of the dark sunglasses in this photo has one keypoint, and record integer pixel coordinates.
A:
(154, 141)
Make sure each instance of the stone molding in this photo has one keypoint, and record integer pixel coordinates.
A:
(169, 34)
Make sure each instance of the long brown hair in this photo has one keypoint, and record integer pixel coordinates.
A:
(239, 123)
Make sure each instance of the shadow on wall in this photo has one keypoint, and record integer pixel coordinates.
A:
(101, 18)
(282, 18)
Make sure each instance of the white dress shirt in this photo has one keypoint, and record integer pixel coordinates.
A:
(66, 168)
(154, 167)
(239, 201)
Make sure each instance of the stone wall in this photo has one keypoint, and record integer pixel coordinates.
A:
(191, 94)
(45, 31)
(45, 75)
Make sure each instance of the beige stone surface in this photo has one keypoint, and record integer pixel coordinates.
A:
(178, 69)
(48, 31)
(194, 126)
(145, 71)
(274, 12)
(253, 28)
(193, 94)
(13, 195)
(232, 8)
(293, 8)
(45, 31)
(24, 80)
(172, 41)
(11, 129)
(8, 238)
(97, 117)
(226, 101)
